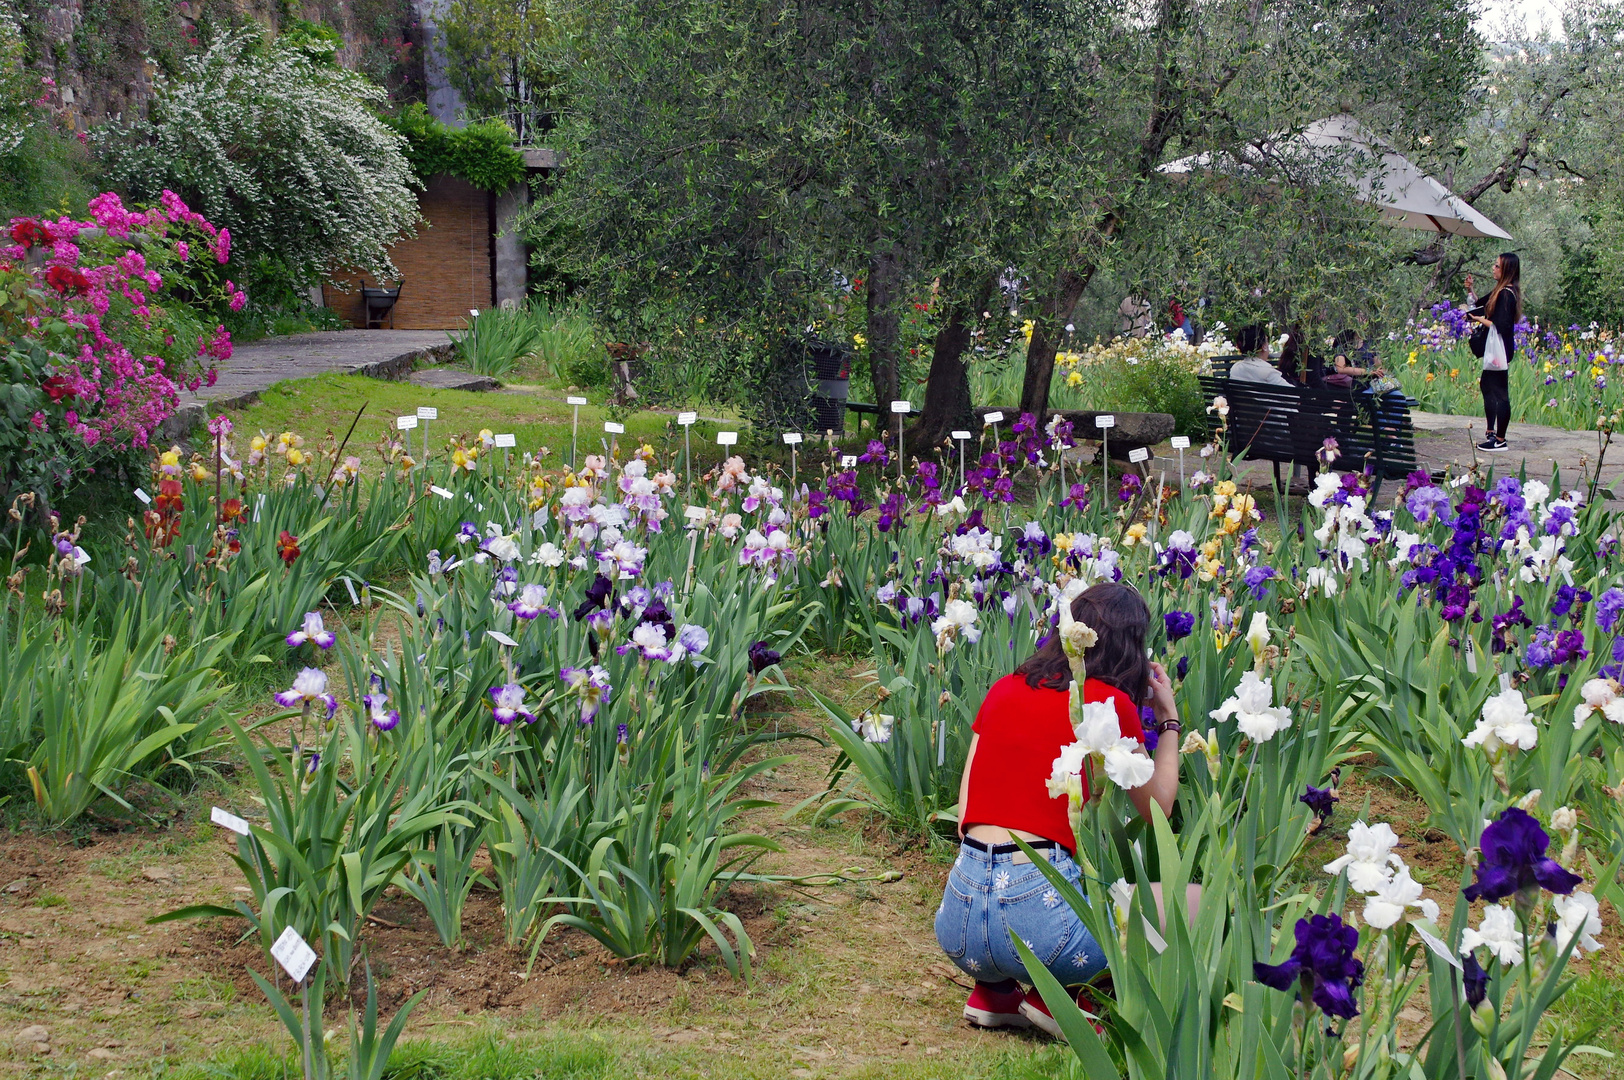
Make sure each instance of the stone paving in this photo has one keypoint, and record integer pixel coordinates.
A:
(1450, 442)
(386, 354)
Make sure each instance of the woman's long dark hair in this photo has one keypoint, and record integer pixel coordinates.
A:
(1118, 615)
(1510, 278)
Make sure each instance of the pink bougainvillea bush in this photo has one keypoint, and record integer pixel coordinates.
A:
(102, 323)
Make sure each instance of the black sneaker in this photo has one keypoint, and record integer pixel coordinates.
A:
(1492, 445)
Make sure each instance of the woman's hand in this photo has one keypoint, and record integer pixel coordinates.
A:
(1161, 693)
(1480, 320)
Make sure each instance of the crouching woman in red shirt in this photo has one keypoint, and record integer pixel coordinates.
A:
(994, 889)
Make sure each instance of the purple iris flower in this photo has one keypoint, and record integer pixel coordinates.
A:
(1077, 499)
(1256, 579)
(1033, 540)
(1321, 801)
(1183, 668)
(1322, 965)
(1130, 488)
(1566, 597)
(1179, 625)
(597, 596)
(876, 454)
(1514, 861)
(1476, 980)
(1429, 503)
(1608, 608)
(761, 657)
(893, 511)
(622, 734)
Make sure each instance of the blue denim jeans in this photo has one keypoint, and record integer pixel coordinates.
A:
(989, 894)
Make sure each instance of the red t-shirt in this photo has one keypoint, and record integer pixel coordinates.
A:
(1022, 730)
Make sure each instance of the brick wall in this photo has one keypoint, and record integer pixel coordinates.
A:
(445, 270)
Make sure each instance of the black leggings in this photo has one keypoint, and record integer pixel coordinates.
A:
(1496, 386)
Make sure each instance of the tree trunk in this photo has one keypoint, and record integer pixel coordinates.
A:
(947, 391)
(884, 325)
(1052, 312)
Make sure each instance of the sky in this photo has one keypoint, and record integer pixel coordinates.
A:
(1533, 12)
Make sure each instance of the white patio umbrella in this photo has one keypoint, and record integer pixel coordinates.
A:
(1408, 198)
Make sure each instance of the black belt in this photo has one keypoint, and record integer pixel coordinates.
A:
(1007, 849)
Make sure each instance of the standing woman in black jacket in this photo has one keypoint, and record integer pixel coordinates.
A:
(1501, 312)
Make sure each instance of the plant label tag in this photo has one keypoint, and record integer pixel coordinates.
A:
(961, 435)
(1138, 454)
(473, 312)
(1441, 950)
(726, 438)
(1105, 421)
(1179, 442)
(792, 438)
(613, 428)
(575, 401)
(355, 601)
(506, 441)
(440, 491)
(901, 407)
(848, 461)
(991, 418)
(1157, 548)
(687, 419)
(695, 513)
(428, 412)
(1567, 576)
(1505, 681)
(294, 954)
(501, 638)
(229, 821)
(405, 423)
(143, 496)
(259, 504)
(1470, 648)
(81, 557)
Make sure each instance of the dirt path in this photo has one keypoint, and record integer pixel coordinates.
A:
(849, 980)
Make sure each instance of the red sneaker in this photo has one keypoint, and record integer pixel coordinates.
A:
(992, 1008)
(1038, 1014)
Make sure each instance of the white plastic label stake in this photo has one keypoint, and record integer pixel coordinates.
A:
(355, 601)
(293, 954)
(901, 407)
(1470, 648)
(405, 423)
(506, 441)
(501, 638)
(440, 491)
(991, 418)
(1138, 454)
(1179, 442)
(613, 428)
(1105, 421)
(227, 820)
(575, 401)
(1505, 681)
(695, 513)
(961, 435)
(1567, 576)
(726, 438)
(848, 461)
(143, 496)
(259, 504)
(428, 412)
(686, 419)
(80, 556)
(792, 438)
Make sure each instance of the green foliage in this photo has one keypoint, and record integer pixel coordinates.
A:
(495, 340)
(18, 86)
(481, 153)
(284, 151)
(502, 56)
(49, 173)
(316, 40)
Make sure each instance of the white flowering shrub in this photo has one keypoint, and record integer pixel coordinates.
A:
(282, 150)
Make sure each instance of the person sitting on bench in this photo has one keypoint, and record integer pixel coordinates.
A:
(1255, 366)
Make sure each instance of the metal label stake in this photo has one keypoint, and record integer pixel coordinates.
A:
(792, 439)
(1105, 423)
(426, 413)
(901, 409)
(615, 430)
(686, 419)
(575, 404)
(1180, 443)
(961, 437)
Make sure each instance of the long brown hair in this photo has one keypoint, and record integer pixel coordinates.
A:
(1510, 276)
(1120, 619)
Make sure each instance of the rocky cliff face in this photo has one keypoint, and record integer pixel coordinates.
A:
(104, 54)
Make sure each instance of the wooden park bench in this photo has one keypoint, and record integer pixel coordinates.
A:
(1289, 424)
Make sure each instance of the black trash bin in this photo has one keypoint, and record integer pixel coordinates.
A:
(831, 367)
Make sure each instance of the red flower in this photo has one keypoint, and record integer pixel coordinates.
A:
(66, 280)
(231, 510)
(58, 387)
(27, 232)
(287, 546)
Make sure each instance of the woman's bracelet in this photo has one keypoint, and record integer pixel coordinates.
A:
(1169, 725)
